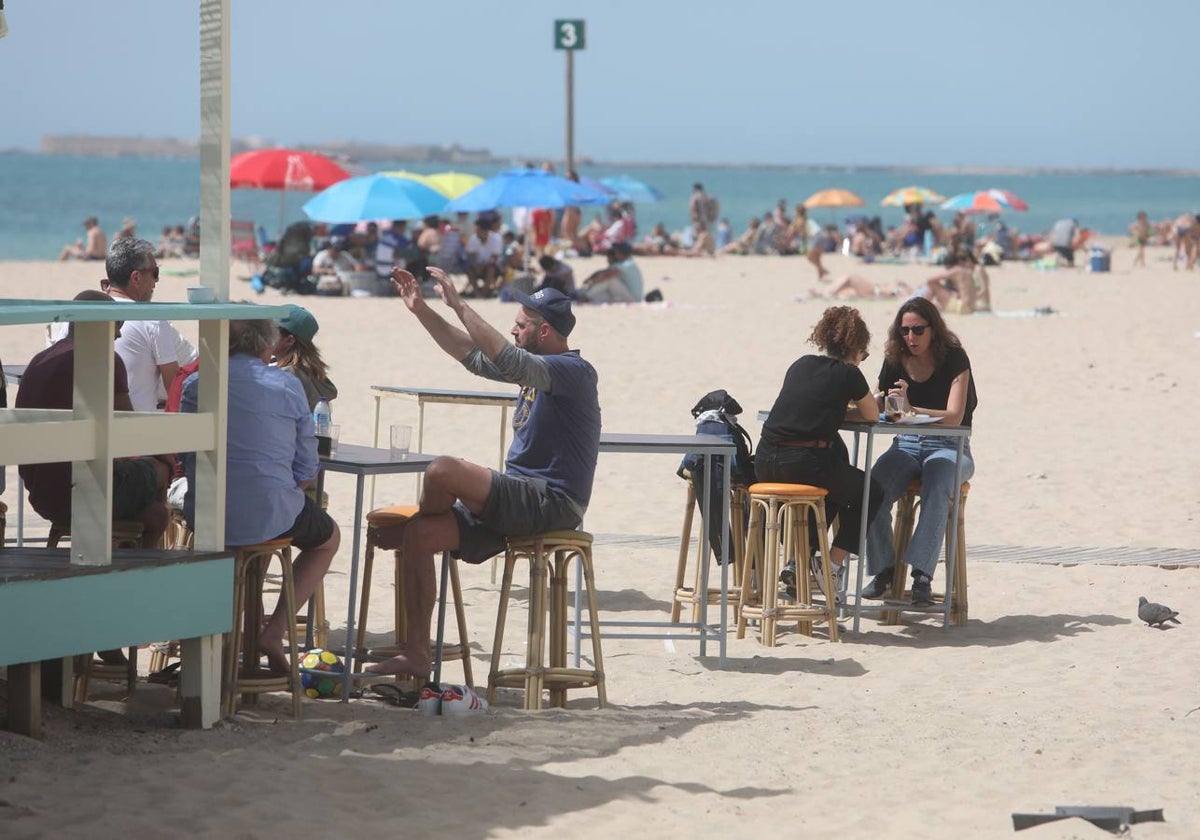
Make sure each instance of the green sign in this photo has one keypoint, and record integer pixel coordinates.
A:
(568, 34)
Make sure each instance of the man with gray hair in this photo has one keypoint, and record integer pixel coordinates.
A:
(148, 348)
(272, 457)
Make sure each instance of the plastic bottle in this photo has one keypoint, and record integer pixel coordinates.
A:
(322, 417)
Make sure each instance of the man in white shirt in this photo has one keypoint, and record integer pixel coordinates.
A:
(149, 349)
(484, 251)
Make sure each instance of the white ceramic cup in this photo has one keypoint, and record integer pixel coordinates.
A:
(200, 294)
(400, 438)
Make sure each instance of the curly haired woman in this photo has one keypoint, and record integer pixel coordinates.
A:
(800, 443)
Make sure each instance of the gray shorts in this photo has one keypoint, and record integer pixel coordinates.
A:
(516, 507)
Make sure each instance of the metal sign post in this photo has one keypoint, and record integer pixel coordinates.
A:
(569, 36)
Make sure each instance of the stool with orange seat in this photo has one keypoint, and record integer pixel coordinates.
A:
(780, 512)
(396, 515)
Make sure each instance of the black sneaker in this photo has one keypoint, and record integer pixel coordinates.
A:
(880, 585)
(922, 591)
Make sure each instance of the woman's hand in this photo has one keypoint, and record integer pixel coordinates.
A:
(900, 388)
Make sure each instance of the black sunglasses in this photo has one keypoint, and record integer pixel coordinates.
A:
(914, 330)
(155, 273)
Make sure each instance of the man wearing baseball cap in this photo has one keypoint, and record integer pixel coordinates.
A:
(547, 478)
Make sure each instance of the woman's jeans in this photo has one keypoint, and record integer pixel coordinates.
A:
(912, 458)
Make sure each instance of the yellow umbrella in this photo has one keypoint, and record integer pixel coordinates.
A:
(453, 184)
(415, 176)
(833, 198)
(912, 195)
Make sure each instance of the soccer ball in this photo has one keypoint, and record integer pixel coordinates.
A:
(317, 673)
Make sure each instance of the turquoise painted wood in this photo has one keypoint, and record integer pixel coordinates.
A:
(112, 608)
(18, 311)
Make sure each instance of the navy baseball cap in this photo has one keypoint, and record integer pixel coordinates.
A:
(552, 305)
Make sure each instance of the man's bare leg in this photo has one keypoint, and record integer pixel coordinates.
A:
(308, 570)
(435, 529)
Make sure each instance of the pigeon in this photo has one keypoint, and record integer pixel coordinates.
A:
(1155, 614)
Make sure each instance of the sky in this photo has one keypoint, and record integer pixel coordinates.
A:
(1057, 83)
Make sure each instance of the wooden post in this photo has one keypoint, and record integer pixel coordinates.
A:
(570, 111)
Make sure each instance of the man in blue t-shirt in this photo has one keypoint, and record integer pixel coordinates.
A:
(547, 478)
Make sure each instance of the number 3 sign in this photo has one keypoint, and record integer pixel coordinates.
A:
(568, 34)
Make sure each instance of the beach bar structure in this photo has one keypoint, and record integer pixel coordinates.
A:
(59, 603)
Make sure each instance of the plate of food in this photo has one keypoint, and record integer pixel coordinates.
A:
(911, 419)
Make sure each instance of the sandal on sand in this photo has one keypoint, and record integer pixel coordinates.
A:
(392, 694)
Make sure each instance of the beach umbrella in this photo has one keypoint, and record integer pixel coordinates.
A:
(597, 186)
(375, 197)
(912, 195)
(833, 198)
(453, 184)
(413, 176)
(985, 201)
(286, 170)
(629, 188)
(526, 188)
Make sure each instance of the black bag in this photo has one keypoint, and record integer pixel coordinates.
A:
(716, 414)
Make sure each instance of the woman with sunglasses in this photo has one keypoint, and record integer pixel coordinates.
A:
(800, 443)
(926, 366)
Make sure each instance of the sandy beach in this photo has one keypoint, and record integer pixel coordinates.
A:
(1053, 694)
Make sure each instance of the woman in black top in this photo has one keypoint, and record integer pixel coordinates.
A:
(926, 366)
(800, 443)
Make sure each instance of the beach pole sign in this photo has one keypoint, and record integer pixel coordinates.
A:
(568, 35)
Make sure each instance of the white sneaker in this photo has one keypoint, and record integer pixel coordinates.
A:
(430, 701)
(461, 700)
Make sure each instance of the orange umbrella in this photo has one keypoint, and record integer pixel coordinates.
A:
(833, 198)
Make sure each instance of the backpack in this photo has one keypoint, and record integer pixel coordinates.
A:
(716, 414)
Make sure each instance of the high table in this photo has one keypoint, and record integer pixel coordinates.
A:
(362, 461)
(504, 400)
(871, 430)
(708, 446)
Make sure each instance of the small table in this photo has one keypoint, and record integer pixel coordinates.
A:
(505, 401)
(708, 446)
(961, 433)
(362, 461)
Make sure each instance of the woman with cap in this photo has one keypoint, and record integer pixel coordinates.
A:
(296, 353)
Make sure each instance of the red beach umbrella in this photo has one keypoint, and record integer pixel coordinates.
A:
(284, 169)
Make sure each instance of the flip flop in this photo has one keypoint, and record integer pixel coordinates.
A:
(392, 694)
(167, 675)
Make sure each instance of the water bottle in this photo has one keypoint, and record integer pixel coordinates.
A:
(322, 417)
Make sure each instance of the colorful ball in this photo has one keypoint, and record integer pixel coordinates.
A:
(317, 673)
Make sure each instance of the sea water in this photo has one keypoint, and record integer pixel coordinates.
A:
(45, 198)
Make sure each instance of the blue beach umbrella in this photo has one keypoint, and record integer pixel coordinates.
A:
(526, 188)
(629, 188)
(375, 197)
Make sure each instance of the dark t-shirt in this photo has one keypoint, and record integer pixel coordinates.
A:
(49, 382)
(812, 402)
(556, 435)
(935, 391)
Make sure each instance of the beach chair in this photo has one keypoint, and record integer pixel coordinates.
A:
(243, 242)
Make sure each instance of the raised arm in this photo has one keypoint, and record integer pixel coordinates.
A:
(480, 333)
(455, 341)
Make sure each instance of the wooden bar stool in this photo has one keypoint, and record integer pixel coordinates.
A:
(549, 555)
(902, 530)
(126, 533)
(782, 511)
(396, 515)
(249, 680)
(3, 521)
(738, 498)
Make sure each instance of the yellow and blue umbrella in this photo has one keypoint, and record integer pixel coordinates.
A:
(375, 197)
(905, 196)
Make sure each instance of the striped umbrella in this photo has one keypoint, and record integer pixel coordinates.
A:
(912, 195)
(985, 201)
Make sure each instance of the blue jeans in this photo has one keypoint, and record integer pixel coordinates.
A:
(913, 457)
